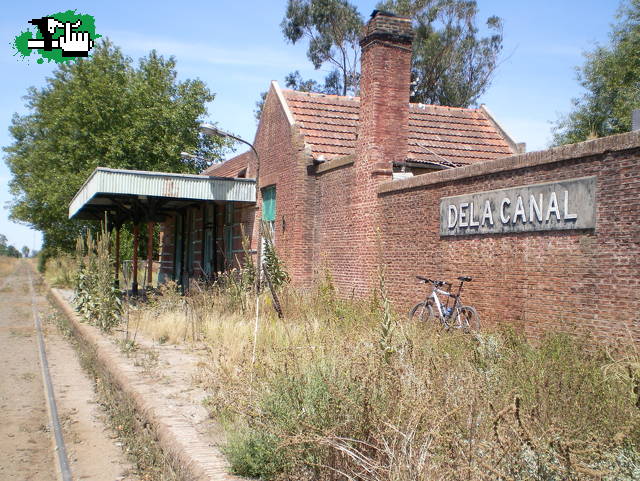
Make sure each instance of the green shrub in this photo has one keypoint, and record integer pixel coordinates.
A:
(273, 265)
(43, 256)
(255, 454)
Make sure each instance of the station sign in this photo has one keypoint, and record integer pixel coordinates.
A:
(562, 205)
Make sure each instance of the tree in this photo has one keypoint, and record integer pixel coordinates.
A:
(24, 251)
(101, 111)
(611, 79)
(332, 28)
(13, 252)
(6, 249)
(452, 64)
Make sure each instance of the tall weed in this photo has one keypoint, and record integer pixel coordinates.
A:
(347, 390)
(97, 299)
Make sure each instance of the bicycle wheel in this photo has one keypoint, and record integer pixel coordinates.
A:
(422, 311)
(469, 319)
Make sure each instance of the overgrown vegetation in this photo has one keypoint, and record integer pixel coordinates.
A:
(274, 268)
(97, 299)
(346, 390)
(60, 271)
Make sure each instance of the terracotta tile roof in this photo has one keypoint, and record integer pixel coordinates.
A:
(440, 135)
(231, 167)
(328, 122)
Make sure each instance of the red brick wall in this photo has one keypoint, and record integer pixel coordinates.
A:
(537, 281)
(540, 280)
(283, 163)
(383, 132)
(338, 237)
(385, 82)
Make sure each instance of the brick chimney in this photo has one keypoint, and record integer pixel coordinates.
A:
(384, 92)
(382, 137)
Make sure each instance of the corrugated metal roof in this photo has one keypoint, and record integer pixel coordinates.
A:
(117, 182)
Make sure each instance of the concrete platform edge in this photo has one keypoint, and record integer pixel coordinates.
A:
(184, 457)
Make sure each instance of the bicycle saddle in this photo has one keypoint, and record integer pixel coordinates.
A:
(465, 279)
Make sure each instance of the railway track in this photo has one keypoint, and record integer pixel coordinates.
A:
(60, 448)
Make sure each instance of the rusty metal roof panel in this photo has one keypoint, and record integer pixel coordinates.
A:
(143, 184)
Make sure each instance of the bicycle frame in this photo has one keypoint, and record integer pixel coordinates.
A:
(443, 316)
(459, 316)
(436, 299)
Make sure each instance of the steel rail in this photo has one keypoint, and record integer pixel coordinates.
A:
(63, 462)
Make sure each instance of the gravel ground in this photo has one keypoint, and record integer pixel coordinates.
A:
(26, 439)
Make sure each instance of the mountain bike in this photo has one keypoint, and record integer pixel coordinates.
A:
(450, 312)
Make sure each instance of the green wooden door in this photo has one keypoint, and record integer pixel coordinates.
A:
(269, 203)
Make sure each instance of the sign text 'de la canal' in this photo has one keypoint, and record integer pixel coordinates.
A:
(567, 204)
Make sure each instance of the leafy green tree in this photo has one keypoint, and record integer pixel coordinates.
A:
(611, 79)
(101, 111)
(332, 28)
(24, 251)
(452, 63)
(13, 252)
(6, 249)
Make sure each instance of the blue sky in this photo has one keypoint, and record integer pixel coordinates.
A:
(237, 48)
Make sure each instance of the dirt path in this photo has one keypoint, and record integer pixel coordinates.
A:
(26, 442)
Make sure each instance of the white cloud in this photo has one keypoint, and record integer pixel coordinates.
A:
(201, 52)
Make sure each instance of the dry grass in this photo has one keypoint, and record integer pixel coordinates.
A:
(343, 390)
(7, 266)
(60, 271)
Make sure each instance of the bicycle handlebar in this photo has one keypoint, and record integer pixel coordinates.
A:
(443, 283)
(433, 281)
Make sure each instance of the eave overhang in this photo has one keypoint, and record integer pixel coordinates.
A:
(152, 195)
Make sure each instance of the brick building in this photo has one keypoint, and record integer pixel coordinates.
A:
(322, 156)
(350, 184)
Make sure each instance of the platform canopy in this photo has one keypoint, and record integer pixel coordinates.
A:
(151, 196)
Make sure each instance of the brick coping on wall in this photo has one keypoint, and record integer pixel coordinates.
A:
(335, 164)
(613, 143)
